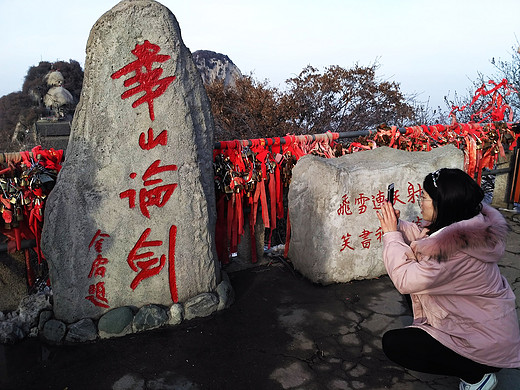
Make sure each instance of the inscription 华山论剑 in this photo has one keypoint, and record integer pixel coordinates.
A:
(140, 258)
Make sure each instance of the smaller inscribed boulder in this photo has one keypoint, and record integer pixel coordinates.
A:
(335, 232)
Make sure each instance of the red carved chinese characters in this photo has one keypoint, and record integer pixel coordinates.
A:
(365, 238)
(397, 198)
(146, 265)
(96, 290)
(97, 295)
(147, 79)
(346, 242)
(413, 193)
(151, 142)
(98, 268)
(150, 266)
(149, 256)
(378, 199)
(361, 201)
(344, 208)
(379, 233)
(155, 196)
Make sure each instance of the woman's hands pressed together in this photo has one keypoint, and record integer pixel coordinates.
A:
(388, 217)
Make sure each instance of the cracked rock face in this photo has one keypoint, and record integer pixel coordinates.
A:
(216, 67)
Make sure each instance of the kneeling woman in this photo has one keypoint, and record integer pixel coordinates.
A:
(465, 322)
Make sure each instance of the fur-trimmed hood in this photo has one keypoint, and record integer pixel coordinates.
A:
(482, 237)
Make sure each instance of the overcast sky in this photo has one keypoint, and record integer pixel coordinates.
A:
(432, 48)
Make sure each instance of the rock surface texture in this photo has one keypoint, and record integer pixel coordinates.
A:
(131, 219)
(335, 233)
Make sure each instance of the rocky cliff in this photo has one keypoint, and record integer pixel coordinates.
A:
(215, 66)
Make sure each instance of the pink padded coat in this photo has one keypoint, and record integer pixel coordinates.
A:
(458, 294)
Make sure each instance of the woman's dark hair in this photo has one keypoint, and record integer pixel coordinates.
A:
(455, 196)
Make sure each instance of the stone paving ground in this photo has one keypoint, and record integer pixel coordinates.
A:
(282, 332)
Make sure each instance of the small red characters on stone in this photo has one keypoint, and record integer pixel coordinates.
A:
(97, 295)
(366, 240)
(346, 242)
(361, 201)
(344, 208)
(97, 290)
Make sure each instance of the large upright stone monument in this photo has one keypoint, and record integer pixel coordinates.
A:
(131, 219)
(335, 233)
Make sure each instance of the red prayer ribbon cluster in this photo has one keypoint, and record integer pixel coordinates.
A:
(481, 141)
(26, 180)
(253, 172)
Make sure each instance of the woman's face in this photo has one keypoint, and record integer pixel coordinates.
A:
(427, 210)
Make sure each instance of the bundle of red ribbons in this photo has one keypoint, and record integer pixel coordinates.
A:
(26, 179)
(482, 139)
(251, 175)
(482, 143)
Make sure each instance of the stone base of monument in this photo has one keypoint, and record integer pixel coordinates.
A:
(34, 318)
